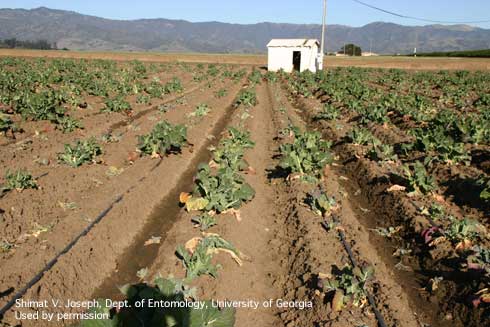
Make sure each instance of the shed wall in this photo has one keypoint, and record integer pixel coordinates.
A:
(282, 58)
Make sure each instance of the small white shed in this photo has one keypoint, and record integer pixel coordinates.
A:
(293, 54)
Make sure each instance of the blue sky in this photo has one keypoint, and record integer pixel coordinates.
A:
(344, 12)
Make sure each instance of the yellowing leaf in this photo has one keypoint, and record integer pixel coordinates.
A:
(194, 204)
(338, 301)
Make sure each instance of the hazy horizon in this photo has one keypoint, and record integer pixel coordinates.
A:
(287, 12)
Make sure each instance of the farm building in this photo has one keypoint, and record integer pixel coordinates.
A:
(293, 54)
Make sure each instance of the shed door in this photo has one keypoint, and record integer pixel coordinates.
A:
(297, 60)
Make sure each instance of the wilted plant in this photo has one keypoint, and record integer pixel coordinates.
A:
(201, 110)
(198, 252)
(68, 124)
(246, 97)
(348, 286)
(80, 153)
(18, 180)
(320, 203)
(204, 221)
(6, 124)
(221, 93)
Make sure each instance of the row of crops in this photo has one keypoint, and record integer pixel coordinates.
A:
(426, 136)
(52, 89)
(37, 93)
(59, 90)
(219, 189)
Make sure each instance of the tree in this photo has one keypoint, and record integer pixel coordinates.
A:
(351, 50)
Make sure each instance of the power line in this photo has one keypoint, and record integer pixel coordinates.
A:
(418, 18)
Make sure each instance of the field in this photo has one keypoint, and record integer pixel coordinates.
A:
(350, 197)
(400, 62)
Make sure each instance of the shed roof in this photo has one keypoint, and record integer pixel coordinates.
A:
(293, 43)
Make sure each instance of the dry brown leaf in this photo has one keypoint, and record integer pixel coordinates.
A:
(326, 170)
(184, 197)
(235, 213)
(396, 188)
(251, 170)
(464, 245)
(438, 197)
(324, 276)
(231, 253)
(212, 164)
(192, 244)
(153, 240)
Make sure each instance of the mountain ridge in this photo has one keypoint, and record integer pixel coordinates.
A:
(69, 29)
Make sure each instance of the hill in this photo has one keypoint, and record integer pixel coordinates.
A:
(81, 32)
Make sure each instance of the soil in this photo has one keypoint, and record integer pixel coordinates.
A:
(285, 247)
(450, 302)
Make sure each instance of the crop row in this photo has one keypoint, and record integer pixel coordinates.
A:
(439, 135)
(219, 188)
(47, 89)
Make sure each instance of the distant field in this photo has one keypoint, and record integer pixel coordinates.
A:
(245, 59)
(467, 54)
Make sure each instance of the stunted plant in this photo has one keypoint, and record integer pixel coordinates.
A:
(163, 139)
(201, 110)
(418, 179)
(204, 221)
(221, 93)
(320, 203)
(246, 97)
(479, 259)
(143, 99)
(81, 152)
(174, 86)
(6, 124)
(18, 180)
(307, 155)
(255, 77)
(68, 124)
(348, 286)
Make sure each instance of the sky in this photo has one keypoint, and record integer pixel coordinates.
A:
(345, 12)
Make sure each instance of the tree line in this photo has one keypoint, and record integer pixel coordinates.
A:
(13, 43)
